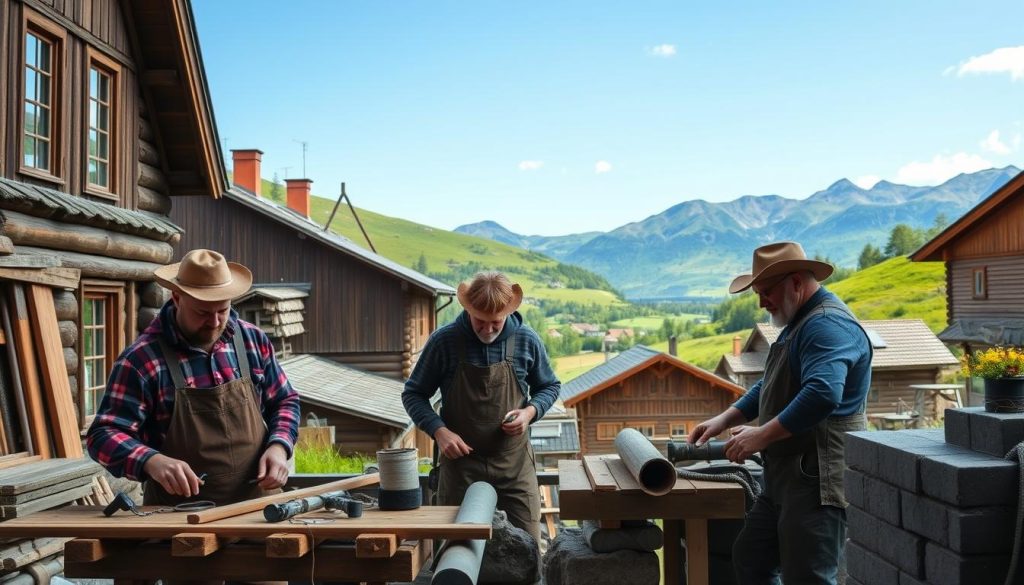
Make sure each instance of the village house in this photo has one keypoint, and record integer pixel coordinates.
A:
(906, 353)
(586, 329)
(656, 393)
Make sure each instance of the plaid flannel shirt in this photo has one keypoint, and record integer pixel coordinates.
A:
(135, 413)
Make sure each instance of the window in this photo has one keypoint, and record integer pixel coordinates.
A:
(677, 430)
(608, 431)
(40, 111)
(980, 283)
(102, 339)
(101, 114)
(646, 428)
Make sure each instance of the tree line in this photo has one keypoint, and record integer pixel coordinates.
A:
(903, 241)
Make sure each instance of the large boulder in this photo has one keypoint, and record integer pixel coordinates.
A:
(570, 561)
(511, 556)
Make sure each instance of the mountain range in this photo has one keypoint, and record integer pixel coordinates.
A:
(694, 248)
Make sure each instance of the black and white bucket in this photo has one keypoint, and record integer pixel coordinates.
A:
(399, 479)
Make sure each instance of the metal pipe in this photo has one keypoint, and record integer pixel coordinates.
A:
(459, 563)
(655, 474)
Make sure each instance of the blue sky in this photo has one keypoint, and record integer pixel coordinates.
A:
(562, 117)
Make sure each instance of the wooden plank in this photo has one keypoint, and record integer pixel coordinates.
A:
(87, 550)
(376, 546)
(600, 477)
(57, 389)
(259, 503)
(697, 551)
(21, 498)
(242, 562)
(285, 545)
(17, 459)
(57, 277)
(193, 544)
(29, 551)
(64, 497)
(89, 522)
(37, 475)
(31, 390)
(623, 478)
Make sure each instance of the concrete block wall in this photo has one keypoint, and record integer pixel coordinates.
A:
(933, 506)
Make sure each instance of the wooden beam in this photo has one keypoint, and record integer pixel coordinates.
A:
(57, 277)
(22, 553)
(33, 394)
(285, 545)
(86, 550)
(600, 476)
(91, 266)
(376, 546)
(161, 78)
(194, 544)
(63, 420)
(28, 230)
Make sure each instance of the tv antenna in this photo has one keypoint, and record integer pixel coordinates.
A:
(356, 216)
(305, 146)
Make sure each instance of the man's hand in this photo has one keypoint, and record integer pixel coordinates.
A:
(273, 469)
(745, 442)
(174, 475)
(451, 444)
(518, 420)
(707, 430)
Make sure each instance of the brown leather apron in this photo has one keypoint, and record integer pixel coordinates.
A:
(819, 451)
(217, 431)
(479, 398)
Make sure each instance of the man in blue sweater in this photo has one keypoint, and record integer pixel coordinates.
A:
(495, 380)
(814, 389)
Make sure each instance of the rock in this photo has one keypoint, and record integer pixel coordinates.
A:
(511, 556)
(570, 561)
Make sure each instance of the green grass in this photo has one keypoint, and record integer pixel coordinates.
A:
(324, 459)
(571, 366)
(705, 351)
(897, 289)
(653, 323)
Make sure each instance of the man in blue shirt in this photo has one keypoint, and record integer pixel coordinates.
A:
(814, 389)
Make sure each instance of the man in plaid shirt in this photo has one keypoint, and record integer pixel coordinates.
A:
(199, 393)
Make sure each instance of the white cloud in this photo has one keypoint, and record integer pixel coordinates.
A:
(1004, 60)
(1016, 141)
(992, 143)
(940, 169)
(867, 181)
(663, 50)
(530, 165)
(602, 166)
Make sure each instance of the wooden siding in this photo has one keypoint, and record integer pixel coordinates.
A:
(648, 397)
(1005, 276)
(998, 234)
(352, 307)
(358, 435)
(888, 387)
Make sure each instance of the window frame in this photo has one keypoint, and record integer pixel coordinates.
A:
(641, 426)
(979, 276)
(48, 31)
(603, 427)
(102, 63)
(114, 335)
(672, 427)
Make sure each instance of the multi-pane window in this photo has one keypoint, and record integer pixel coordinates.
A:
(608, 431)
(646, 428)
(99, 144)
(677, 430)
(95, 360)
(37, 138)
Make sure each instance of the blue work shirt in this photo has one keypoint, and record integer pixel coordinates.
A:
(831, 357)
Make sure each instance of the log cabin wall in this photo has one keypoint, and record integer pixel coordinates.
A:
(656, 400)
(889, 387)
(1004, 277)
(354, 434)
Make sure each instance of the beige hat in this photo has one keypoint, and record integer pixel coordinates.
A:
(777, 259)
(206, 276)
(463, 295)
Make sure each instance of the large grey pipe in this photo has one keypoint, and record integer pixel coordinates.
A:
(655, 474)
(460, 561)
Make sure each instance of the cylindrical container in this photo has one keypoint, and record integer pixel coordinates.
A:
(399, 480)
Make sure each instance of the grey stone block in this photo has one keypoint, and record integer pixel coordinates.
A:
(901, 548)
(882, 500)
(945, 567)
(864, 566)
(569, 561)
(906, 579)
(958, 427)
(970, 479)
(982, 530)
(995, 433)
(900, 463)
(862, 452)
(925, 516)
(853, 484)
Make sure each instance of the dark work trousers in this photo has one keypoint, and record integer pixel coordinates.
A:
(788, 532)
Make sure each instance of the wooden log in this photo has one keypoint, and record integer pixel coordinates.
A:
(148, 153)
(68, 333)
(58, 277)
(145, 128)
(153, 177)
(33, 393)
(194, 544)
(66, 304)
(150, 200)
(287, 545)
(46, 569)
(70, 360)
(27, 230)
(91, 266)
(376, 546)
(29, 551)
(259, 503)
(153, 295)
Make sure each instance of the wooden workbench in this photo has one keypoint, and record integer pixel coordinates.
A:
(388, 546)
(616, 496)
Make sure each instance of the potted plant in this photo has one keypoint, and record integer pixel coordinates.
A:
(1002, 368)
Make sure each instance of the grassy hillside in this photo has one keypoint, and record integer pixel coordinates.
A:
(447, 254)
(705, 351)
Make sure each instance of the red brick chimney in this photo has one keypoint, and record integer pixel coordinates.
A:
(737, 345)
(247, 168)
(298, 195)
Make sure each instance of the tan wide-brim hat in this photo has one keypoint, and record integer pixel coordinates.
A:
(462, 292)
(778, 259)
(206, 276)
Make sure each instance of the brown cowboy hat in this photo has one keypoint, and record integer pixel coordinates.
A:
(206, 276)
(463, 295)
(778, 259)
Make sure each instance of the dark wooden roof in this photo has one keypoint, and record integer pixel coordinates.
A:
(56, 205)
(628, 363)
(309, 228)
(984, 331)
(173, 82)
(934, 249)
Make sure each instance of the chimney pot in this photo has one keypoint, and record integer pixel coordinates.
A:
(672, 346)
(246, 163)
(298, 195)
(737, 345)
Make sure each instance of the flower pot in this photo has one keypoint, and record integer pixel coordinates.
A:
(1004, 394)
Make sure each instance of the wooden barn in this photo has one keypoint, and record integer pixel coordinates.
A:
(105, 118)
(658, 394)
(906, 353)
(362, 309)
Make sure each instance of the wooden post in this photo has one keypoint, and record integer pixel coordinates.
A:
(51, 360)
(27, 368)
